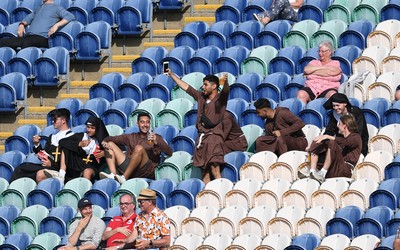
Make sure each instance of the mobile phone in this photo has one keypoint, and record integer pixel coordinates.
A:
(165, 67)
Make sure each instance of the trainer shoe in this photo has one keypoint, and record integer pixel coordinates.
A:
(120, 178)
(104, 175)
(317, 176)
(51, 173)
(303, 173)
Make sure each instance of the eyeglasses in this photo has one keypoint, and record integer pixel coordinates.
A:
(125, 203)
(323, 51)
(141, 201)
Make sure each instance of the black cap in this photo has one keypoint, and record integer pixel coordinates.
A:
(398, 88)
(339, 98)
(84, 202)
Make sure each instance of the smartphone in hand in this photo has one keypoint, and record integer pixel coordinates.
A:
(165, 67)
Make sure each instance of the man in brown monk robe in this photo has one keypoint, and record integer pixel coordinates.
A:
(208, 153)
(282, 129)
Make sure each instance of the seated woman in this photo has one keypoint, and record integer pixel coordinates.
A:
(323, 75)
(341, 153)
(280, 9)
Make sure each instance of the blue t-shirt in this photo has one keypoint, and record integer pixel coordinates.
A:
(44, 17)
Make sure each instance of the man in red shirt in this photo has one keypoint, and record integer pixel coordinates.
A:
(121, 226)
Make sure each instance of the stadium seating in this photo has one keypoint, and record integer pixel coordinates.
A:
(313, 9)
(285, 220)
(72, 192)
(57, 220)
(390, 10)
(384, 34)
(218, 241)
(228, 220)
(139, 14)
(256, 221)
(245, 34)
(185, 140)
(286, 60)
(172, 167)
(107, 86)
(17, 241)
(373, 221)
(191, 34)
(133, 86)
(213, 193)
(275, 241)
(300, 193)
(258, 60)
(162, 187)
(356, 33)
(341, 9)
(7, 7)
(7, 215)
(329, 31)
(257, 166)
(273, 34)
(178, 59)
(176, 215)
(173, 113)
(329, 193)
(231, 60)
(254, 7)
(315, 220)
(10, 30)
(242, 193)
(199, 220)
(47, 240)
(231, 10)
(368, 10)
(244, 86)
(185, 193)
(9, 161)
(346, 55)
(151, 106)
(101, 192)
(82, 10)
(170, 4)
(93, 107)
(358, 193)
(44, 193)
(131, 186)
(6, 54)
(119, 112)
(29, 219)
(335, 241)
(23, 62)
(304, 241)
(24, 8)
(22, 139)
(218, 34)
(150, 61)
(271, 86)
(387, 194)
(300, 34)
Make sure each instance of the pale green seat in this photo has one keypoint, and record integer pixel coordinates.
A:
(300, 34)
(3, 185)
(341, 10)
(45, 241)
(368, 10)
(194, 79)
(72, 192)
(172, 168)
(329, 31)
(17, 192)
(29, 220)
(151, 106)
(174, 112)
(2, 239)
(190, 171)
(258, 60)
(252, 132)
(131, 186)
(114, 130)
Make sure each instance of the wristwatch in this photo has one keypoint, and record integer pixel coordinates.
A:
(151, 243)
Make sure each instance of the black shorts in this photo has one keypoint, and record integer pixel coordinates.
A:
(311, 94)
(121, 168)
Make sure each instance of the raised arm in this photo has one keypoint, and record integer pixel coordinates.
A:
(182, 84)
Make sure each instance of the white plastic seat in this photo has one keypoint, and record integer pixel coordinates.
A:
(315, 220)
(311, 131)
(370, 59)
(334, 242)
(386, 83)
(286, 220)
(373, 165)
(214, 192)
(391, 62)
(228, 220)
(372, 131)
(188, 241)
(245, 242)
(258, 165)
(275, 242)
(300, 192)
(256, 221)
(364, 242)
(198, 221)
(286, 165)
(329, 193)
(384, 34)
(176, 215)
(271, 193)
(361, 89)
(242, 193)
(387, 139)
(358, 193)
(216, 241)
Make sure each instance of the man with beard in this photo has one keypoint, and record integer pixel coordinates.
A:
(50, 154)
(82, 153)
(208, 153)
(283, 130)
(142, 156)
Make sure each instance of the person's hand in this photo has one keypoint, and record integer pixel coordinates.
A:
(169, 72)
(320, 138)
(142, 244)
(36, 140)
(83, 222)
(124, 230)
(46, 162)
(84, 143)
(119, 241)
(277, 133)
(98, 154)
(152, 137)
(21, 30)
(52, 30)
(105, 145)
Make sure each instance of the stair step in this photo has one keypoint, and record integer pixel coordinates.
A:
(5, 135)
(75, 95)
(82, 83)
(2, 148)
(166, 32)
(207, 19)
(124, 58)
(213, 7)
(41, 109)
(119, 70)
(32, 121)
(163, 44)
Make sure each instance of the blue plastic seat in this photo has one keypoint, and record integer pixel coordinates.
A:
(304, 241)
(139, 14)
(204, 59)
(168, 132)
(101, 192)
(106, 86)
(369, 10)
(313, 9)
(374, 110)
(392, 170)
(245, 34)
(178, 58)
(150, 61)
(6, 54)
(345, 221)
(6, 8)
(311, 54)
(390, 11)
(236, 106)
(58, 220)
(44, 193)
(231, 10)
(218, 34)
(17, 241)
(24, 60)
(392, 114)
(231, 60)
(185, 193)
(119, 112)
(190, 117)
(233, 161)
(93, 107)
(374, 220)
(9, 161)
(294, 86)
(245, 87)
(10, 30)
(72, 104)
(250, 116)
(387, 194)
(7, 214)
(346, 55)
(315, 113)
(273, 34)
(82, 10)
(13, 94)
(22, 139)
(386, 243)
(162, 187)
(134, 85)
(65, 37)
(254, 7)
(356, 34)
(160, 88)
(293, 104)
(272, 86)
(106, 11)
(185, 140)
(170, 4)
(24, 8)
(191, 34)
(286, 60)
(110, 213)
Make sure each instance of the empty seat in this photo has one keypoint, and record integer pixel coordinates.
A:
(17, 192)
(286, 165)
(242, 193)
(300, 193)
(369, 10)
(6, 9)
(194, 79)
(257, 166)
(273, 34)
(286, 220)
(134, 86)
(6, 54)
(218, 34)
(390, 10)
(44, 193)
(93, 107)
(300, 34)
(47, 240)
(236, 106)
(315, 220)
(256, 221)
(168, 132)
(190, 34)
(199, 220)
(231, 60)
(17, 241)
(272, 86)
(373, 165)
(29, 219)
(374, 110)
(313, 9)
(140, 15)
(231, 10)
(384, 34)
(178, 58)
(14, 93)
(286, 60)
(314, 113)
(170, 5)
(72, 192)
(176, 215)
(275, 241)
(344, 221)
(373, 221)
(187, 241)
(387, 194)
(329, 193)
(174, 112)
(346, 55)
(107, 86)
(356, 33)
(228, 220)
(131, 186)
(358, 193)
(24, 60)
(65, 37)
(9, 161)
(271, 193)
(370, 60)
(7, 215)
(341, 9)
(386, 139)
(185, 140)
(185, 193)
(335, 241)
(119, 112)
(258, 60)
(101, 192)
(304, 241)
(245, 241)
(329, 31)
(57, 220)
(245, 34)
(172, 167)
(218, 241)
(391, 115)
(81, 9)
(151, 106)
(366, 241)
(213, 193)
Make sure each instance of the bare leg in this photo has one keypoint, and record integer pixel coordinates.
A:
(215, 171)
(328, 160)
(62, 162)
(40, 176)
(396, 244)
(330, 93)
(303, 96)
(114, 155)
(313, 161)
(88, 173)
(206, 175)
(265, 20)
(138, 159)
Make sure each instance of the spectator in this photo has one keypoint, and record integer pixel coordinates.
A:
(85, 233)
(342, 106)
(208, 153)
(50, 155)
(142, 156)
(341, 153)
(43, 22)
(280, 9)
(152, 226)
(323, 75)
(283, 130)
(234, 138)
(397, 93)
(81, 153)
(120, 227)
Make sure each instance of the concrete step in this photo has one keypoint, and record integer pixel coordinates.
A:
(75, 95)
(40, 109)
(86, 84)
(124, 58)
(206, 7)
(5, 134)
(32, 121)
(122, 70)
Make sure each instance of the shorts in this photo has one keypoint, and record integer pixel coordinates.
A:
(312, 95)
(121, 168)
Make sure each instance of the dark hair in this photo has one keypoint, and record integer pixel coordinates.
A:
(350, 122)
(211, 78)
(62, 113)
(143, 114)
(262, 103)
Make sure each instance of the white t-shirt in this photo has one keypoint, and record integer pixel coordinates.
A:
(292, 1)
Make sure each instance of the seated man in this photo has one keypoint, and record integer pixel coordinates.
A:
(234, 139)
(82, 153)
(85, 233)
(283, 130)
(142, 156)
(121, 226)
